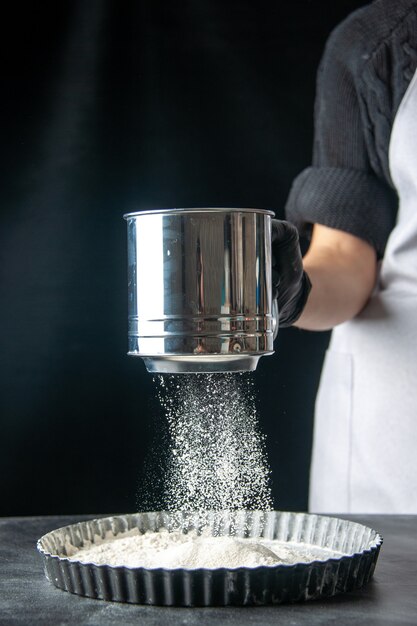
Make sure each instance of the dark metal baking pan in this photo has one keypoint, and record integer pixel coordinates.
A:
(241, 586)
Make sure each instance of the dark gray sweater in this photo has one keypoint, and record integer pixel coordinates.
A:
(367, 65)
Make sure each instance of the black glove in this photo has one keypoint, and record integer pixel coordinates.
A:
(290, 283)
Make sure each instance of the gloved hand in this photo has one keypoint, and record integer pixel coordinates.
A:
(290, 283)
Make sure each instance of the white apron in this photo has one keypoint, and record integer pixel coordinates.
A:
(365, 438)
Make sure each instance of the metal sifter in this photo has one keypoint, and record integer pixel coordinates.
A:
(199, 289)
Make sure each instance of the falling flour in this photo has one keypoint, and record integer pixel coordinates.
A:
(216, 461)
(216, 451)
(176, 549)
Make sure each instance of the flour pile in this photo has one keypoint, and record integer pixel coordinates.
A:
(216, 451)
(175, 549)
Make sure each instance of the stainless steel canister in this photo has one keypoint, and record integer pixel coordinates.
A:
(200, 295)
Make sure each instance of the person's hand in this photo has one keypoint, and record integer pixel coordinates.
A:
(290, 283)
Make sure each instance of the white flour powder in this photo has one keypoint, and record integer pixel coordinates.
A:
(217, 458)
(175, 549)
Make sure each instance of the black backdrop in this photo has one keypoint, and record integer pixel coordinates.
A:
(110, 107)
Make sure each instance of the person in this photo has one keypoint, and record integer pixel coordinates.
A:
(358, 202)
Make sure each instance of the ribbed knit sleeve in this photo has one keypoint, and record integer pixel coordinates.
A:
(350, 200)
(342, 189)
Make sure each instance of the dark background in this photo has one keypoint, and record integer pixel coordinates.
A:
(110, 107)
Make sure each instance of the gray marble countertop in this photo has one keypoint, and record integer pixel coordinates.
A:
(26, 597)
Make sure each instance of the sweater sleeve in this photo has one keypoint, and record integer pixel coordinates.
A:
(340, 189)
